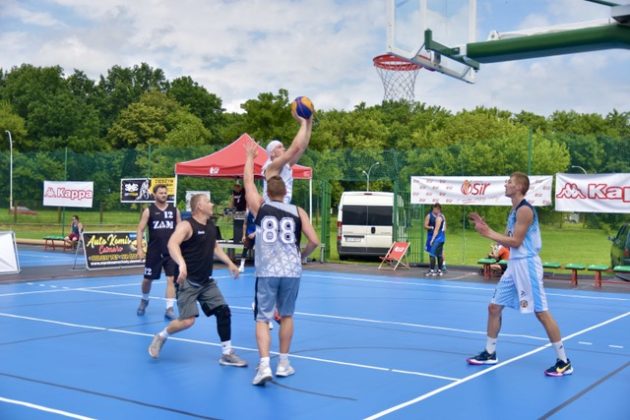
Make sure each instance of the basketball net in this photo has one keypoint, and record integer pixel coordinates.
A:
(398, 76)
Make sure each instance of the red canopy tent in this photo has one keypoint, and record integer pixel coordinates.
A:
(229, 162)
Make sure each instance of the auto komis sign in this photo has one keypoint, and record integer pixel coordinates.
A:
(478, 191)
(598, 193)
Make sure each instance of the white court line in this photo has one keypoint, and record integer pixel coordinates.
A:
(46, 409)
(440, 284)
(207, 343)
(488, 370)
(343, 318)
(324, 316)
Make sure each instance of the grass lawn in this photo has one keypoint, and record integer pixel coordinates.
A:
(572, 243)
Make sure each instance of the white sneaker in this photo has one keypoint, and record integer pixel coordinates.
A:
(263, 375)
(241, 269)
(284, 369)
(156, 346)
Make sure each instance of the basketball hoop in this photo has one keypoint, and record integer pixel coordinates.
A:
(398, 76)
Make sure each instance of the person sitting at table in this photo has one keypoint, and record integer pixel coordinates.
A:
(499, 252)
(76, 227)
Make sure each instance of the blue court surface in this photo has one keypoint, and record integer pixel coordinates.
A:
(31, 257)
(365, 346)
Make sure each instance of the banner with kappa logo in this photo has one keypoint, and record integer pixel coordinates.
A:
(475, 190)
(597, 193)
(68, 193)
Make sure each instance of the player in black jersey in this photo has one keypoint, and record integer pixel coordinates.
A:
(193, 247)
(161, 218)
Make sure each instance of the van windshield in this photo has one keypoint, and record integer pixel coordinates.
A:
(367, 215)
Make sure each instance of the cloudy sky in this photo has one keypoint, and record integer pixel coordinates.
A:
(319, 48)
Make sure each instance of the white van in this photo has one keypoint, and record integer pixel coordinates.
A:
(365, 223)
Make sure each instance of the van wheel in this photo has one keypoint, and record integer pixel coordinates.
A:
(343, 257)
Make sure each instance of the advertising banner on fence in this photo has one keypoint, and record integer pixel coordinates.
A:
(597, 193)
(68, 193)
(475, 190)
(140, 190)
(111, 249)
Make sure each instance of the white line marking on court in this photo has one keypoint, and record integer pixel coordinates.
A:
(46, 409)
(207, 343)
(441, 284)
(586, 343)
(488, 370)
(410, 324)
(615, 346)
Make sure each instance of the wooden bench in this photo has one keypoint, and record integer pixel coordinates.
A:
(486, 263)
(574, 267)
(598, 268)
(49, 242)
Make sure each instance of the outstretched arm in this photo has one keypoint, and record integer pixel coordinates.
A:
(297, 148)
(524, 218)
(252, 196)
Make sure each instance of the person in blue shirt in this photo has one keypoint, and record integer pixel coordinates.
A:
(435, 224)
(249, 239)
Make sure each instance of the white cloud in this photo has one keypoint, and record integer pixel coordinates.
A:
(323, 49)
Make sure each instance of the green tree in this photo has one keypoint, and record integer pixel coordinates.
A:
(205, 105)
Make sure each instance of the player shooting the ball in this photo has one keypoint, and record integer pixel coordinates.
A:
(280, 160)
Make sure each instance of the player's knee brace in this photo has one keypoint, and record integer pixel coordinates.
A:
(224, 322)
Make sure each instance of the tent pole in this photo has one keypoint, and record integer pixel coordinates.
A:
(310, 199)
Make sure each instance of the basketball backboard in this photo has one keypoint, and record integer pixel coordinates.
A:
(434, 34)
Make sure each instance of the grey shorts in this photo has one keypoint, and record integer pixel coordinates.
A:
(275, 292)
(188, 294)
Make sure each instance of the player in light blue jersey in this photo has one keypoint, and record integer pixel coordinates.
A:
(521, 286)
(278, 264)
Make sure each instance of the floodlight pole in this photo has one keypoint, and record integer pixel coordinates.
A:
(10, 171)
(367, 174)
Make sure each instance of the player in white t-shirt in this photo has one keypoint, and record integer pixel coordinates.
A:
(280, 160)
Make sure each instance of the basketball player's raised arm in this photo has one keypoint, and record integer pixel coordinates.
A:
(309, 232)
(183, 231)
(296, 149)
(252, 197)
(144, 220)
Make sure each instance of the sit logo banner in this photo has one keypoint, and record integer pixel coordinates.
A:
(140, 190)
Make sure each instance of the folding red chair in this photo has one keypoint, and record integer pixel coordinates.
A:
(397, 255)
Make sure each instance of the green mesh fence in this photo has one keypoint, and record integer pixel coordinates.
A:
(334, 171)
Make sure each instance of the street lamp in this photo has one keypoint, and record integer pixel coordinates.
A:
(367, 174)
(580, 168)
(10, 171)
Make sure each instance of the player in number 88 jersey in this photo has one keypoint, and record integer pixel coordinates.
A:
(279, 227)
(279, 230)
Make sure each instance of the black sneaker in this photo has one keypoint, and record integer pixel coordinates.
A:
(143, 307)
(483, 358)
(561, 368)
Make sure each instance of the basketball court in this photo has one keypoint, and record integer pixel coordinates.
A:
(386, 344)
